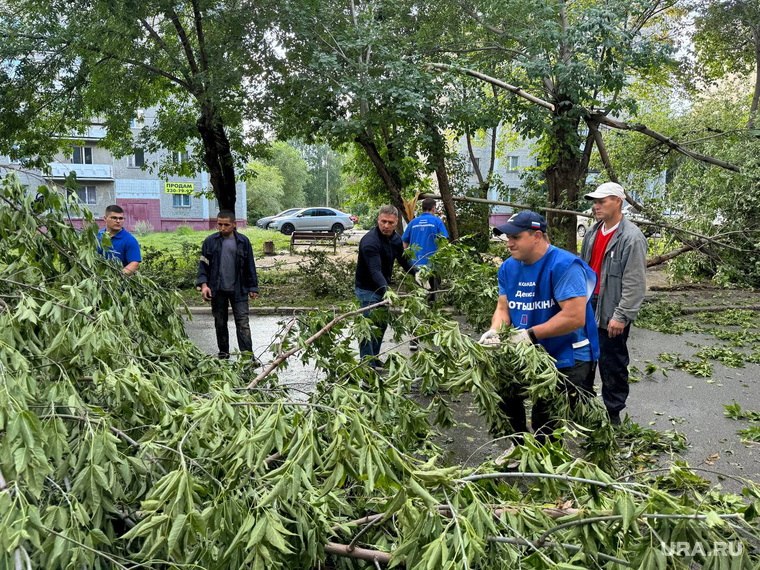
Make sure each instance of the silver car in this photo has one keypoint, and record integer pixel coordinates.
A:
(313, 220)
(263, 223)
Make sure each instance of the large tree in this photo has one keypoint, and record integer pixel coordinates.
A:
(66, 64)
(360, 79)
(577, 58)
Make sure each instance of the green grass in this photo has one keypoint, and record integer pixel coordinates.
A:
(172, 242)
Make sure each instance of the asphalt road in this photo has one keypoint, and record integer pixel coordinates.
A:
(672, 400)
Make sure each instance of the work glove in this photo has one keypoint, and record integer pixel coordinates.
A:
(489, 338)
(418, 280)
(520, 336)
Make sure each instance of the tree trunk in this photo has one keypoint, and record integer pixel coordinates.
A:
(217, 156)
(563, 181)
(390, 180)
(446, 196)
(566, 173)
(756, 96)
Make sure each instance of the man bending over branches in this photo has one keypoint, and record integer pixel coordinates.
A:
(545, 292)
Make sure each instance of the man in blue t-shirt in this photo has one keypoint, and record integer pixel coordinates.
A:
(420, 238)
(545, 292)
(124, 246)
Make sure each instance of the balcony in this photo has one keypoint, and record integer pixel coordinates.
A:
(83, 171)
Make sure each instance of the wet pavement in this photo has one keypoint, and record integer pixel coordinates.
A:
(672, 400)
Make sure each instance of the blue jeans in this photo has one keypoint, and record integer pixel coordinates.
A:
(371, 348)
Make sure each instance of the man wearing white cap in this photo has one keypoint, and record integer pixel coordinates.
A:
(616, 250)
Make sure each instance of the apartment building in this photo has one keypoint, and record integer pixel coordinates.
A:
(163, 202)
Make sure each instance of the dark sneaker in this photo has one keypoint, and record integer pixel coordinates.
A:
(413, 345)
(256, 363)
(223, 355)
(614, 417)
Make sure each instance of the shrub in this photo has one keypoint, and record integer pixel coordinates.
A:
(327, 277)
(143, 227)
(171, 270)
(184, 230)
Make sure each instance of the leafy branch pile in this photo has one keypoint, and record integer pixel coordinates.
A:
(123, 446)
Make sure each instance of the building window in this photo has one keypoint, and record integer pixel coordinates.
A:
(180, 157)
(181, 200)
(513, 163)
(81, 155)
(474, 163)
(87, 195)
(138, 121)
(137, 159)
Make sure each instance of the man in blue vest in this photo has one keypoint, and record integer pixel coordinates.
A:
(124, 246)
(420, 237)
(544, 293)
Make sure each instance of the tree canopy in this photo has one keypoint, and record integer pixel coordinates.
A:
(67, 65)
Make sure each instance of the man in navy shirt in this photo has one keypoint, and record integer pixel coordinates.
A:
(420, 238)
(378, 249)
(124, 246)
(545, 293)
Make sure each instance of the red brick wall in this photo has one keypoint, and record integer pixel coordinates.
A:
(137, 209)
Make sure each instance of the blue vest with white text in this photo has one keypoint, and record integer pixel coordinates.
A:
(530, 291)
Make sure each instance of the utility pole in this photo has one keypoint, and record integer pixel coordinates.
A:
(327, 179)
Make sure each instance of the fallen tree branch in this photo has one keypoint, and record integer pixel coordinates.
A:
(358, 553)
(654, 261)
(670, 143)
(658, 259)
(602, 148)
(570, 547)
(493, 81)
(284, 356)
(557, 476)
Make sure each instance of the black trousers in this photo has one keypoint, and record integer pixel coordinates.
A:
(219, 303)
(613, 366)
(577, 381)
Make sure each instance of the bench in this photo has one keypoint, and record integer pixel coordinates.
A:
(316, 238)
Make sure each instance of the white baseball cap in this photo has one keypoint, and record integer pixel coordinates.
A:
(607, 189)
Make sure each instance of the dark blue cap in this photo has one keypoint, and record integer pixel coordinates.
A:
(521, 221)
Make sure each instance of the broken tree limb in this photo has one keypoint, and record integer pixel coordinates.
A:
(283, 357)
(659, 259)
(510, 204)
(493, 81)
(358, 553)
(643, 129)
(701, 238)
(602, 148)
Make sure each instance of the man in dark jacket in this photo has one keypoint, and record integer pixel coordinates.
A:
(227, 276)
(378, 249)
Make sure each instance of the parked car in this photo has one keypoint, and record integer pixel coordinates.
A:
(313, 220)
(584, 223)
(264, 222)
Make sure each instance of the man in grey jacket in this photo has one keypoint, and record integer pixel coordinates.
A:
(616, 250)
